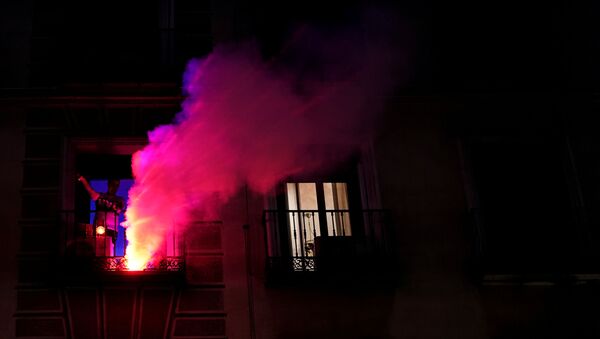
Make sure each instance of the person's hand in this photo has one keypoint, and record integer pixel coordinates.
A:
(81, 178)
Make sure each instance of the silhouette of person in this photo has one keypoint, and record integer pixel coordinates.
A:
(108, 207)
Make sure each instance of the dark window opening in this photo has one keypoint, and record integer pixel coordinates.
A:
(94, 227)
(524, 207)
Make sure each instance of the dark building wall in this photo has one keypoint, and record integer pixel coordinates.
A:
(110, 41)
(15, 43)
(12, 123)
(421, 183)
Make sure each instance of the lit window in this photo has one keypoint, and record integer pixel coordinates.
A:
(316, 230)
(309, 204)
(93, 238)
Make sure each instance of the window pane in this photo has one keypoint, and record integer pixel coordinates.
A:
(308, 196)
(341, 195)
(291, 196)
(329, 197)
(336, 204)
(303, 218)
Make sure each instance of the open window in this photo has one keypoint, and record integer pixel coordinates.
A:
(103, 228)
(96, 185)
(316, 210)
(93, 226)
(324, 227)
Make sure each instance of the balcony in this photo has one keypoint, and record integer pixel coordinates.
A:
(95, 242)
(335, 244)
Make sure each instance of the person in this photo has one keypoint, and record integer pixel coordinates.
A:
(108, 207)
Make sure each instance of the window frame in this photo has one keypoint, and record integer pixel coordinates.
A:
(91, 145)
(484, 268)
(367, 252)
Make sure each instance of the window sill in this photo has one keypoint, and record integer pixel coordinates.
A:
(540, 280)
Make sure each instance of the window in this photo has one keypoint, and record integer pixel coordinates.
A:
(522, 201)
(93, 225)
(308, 203)
(321, 227)
(93, 236)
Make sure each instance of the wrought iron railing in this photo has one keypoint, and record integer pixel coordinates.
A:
(119, 263)
(100, 240)
(318, 240)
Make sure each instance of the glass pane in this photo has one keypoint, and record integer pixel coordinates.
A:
(308, 196)
(336, 205)
(329, 196)
(291, 196)
(341, 195)
(293, 221)
(309, 220)
(303, 218)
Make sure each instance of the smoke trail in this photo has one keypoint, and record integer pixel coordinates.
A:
(246, 121)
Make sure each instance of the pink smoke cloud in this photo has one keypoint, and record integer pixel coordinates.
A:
(250, 122)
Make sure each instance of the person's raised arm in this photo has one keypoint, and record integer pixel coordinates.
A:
(93, 194)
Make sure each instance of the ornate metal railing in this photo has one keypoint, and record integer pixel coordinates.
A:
(102, 244)
(294, 264)
(166, 264)
(324, 240)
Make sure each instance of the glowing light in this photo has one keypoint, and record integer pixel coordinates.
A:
(136, 263)
(100, 230)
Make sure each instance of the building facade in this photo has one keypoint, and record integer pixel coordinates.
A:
(470, 214)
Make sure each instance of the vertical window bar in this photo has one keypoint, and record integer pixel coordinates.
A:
(341, 213)
(271, 234)
(295, 235)
(114, 236)
(303, 233)
(277, 241)
(333, 223)
(314, 236)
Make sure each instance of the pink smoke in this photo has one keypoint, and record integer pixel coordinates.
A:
(250, 122)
